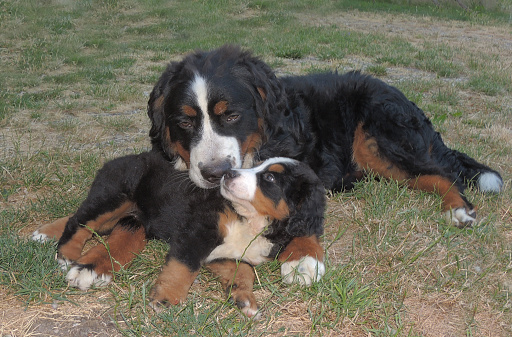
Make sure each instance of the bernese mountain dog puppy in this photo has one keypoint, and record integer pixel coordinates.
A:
(251, 218)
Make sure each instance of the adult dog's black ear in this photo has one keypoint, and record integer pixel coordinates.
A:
(159, 132)
(308, 206)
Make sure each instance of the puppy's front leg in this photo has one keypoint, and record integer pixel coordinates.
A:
(302, 261)
(237, 280)
(172, 285)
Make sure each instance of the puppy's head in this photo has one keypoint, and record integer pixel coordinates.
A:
(281, 189)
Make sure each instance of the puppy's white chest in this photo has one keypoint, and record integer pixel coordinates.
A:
(242, 243)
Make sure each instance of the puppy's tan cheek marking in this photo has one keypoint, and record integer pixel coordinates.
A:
(267, 207)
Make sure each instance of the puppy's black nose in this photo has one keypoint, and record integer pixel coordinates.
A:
(231, 174)
(213, 173)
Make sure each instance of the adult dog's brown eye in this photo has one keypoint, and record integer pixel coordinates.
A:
(232, 118)
(269, 177)
(185, 125)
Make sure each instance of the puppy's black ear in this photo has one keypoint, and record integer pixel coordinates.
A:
(307, 214)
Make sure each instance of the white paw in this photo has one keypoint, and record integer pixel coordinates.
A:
(64, 263)
(255, 314)
(83, 278)
(459, 217)
(304, 271)
(40, 237)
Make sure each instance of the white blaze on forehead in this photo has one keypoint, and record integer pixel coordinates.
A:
(212, 148)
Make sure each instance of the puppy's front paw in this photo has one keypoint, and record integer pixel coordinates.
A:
(246, 302)
(40, 237)
(83, 277)
(161, 297)
(461, 218)
(304, 271)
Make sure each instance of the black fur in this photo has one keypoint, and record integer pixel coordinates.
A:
(171, 208)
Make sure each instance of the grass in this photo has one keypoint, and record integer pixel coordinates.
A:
(75, 81)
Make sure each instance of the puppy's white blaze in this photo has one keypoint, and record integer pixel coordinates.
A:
(212, 148)
(244, 186)
(304, 271)
(83, 278)
(490, 182)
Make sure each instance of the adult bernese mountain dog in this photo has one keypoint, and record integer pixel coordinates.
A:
(225, 109)
(251, 218)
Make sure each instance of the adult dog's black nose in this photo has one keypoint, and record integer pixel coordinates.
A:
(213, 173)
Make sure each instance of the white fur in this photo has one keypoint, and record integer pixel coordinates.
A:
(84, 278)
(490, 182)
(304, 271)
(212, 148)
(40, 237)
(251, 313)
(243, 242)
(459, 217)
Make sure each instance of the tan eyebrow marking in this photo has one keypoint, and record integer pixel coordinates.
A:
(189, 111)
(220, 108)
(276, 168)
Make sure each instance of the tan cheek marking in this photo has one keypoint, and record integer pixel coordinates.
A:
(189, 111)
(225, 218)
(251, 143)
(366, 155)
(220, 108)
(173, 283)
(184, 154)
(302, 246)
(266, 207)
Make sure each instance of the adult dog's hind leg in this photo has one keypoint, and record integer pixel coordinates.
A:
(237, 280)
(95, 267)
(427, 177)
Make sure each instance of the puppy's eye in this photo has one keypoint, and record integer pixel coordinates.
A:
(269, 177)
(232, 118)
(185, 125)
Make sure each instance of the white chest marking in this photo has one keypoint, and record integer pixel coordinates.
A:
(242, 243)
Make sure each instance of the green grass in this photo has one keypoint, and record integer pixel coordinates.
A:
(75, 82)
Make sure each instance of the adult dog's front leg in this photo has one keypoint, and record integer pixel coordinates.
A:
(302, 261)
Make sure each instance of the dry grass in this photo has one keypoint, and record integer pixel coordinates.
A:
(405, 271)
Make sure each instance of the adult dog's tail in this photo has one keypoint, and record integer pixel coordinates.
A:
(467, 169)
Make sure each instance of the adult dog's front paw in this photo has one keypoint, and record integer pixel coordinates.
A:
(304, 271)
(83, 277)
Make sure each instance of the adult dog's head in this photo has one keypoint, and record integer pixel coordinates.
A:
(208, 112)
